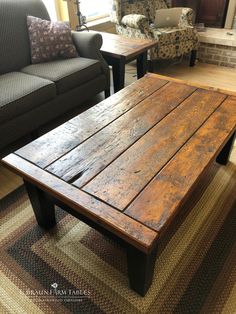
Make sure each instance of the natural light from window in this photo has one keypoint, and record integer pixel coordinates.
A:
(50, 5)
(94, 9)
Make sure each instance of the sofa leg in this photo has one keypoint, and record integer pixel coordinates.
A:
(193, 58)
(107, 93)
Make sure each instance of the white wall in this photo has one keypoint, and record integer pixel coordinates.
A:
(50, 5)
(231, 14)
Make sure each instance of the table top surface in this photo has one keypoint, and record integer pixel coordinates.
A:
(130, 161)
(120, 46)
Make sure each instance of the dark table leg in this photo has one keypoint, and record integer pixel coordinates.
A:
(142, 64)
(193, 57)
(140, 269)
(224, 155)
(118, 71)
(43, 208)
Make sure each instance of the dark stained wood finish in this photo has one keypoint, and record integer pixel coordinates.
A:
(88, 159)
(224, 155)
(127, 165)
(141, 268)
(43, 208)
(212, 12)
(118, 46)
(46, 149)
(128, 229)
(118, 185)
(177, 179)
(118, 50)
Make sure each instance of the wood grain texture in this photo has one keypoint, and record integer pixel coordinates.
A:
(91, 157)
(158, 204)
(135, 159)
(123, 180)
(117, 45)
(54, 144)
(121, 225)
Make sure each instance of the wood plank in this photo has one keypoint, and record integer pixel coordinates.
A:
(123, 180)
(91, 157)
(121, 225)
(157, 205)
(59, 141)
(118, 46)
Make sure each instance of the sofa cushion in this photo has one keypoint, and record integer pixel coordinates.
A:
(67, 74)
(21, 93)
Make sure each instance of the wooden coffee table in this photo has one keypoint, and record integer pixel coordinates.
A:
(127, 165)
(118, 50)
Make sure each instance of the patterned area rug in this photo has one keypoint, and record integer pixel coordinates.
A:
(74, 269)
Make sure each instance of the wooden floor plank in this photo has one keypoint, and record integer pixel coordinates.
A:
(157, 205)
(123, 180)
(46, 149)
(123, 226)
(91, 157)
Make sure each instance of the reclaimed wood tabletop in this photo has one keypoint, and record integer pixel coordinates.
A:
(127, 164)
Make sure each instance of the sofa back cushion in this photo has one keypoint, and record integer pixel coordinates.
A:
(14, 38)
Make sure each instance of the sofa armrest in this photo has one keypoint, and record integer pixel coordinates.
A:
(88, 45)
(137, 21)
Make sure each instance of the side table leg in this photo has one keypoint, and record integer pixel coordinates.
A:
(43, 209)
(193, 58)
(140, 269)
(142, 64)
(224, 155)
(118, 71)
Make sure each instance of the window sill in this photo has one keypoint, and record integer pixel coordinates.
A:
(97, 22)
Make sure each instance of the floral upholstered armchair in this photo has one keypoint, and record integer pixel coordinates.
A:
(171, 27)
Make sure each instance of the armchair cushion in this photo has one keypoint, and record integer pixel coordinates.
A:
(135, 20)
(67, 74)
(172, 35)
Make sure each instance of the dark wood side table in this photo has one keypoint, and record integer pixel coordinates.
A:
(118, 50)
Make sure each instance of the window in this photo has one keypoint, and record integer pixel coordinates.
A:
(94, 9)
(50, 5)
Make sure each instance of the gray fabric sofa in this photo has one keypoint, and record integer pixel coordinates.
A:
(33, 95)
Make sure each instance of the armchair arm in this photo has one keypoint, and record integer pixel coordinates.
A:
(137, 21)
(186, 17)
(88, 46)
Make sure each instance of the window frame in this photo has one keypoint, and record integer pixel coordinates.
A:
(96, 17)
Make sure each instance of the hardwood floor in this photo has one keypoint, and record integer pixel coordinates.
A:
(204, 74)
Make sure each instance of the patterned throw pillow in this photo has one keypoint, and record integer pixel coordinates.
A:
(50, 40)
